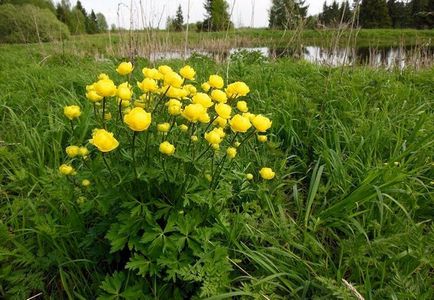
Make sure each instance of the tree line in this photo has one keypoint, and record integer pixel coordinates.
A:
(44, 12)
(381, 13)
(287, 14)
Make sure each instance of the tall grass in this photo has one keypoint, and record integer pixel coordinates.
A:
(353, 200)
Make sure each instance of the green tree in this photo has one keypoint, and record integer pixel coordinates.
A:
(400, 13)
(178, 22)
(29, 24)
(374, 14)
(101, 22)
(286, 14)
(38, 3)
(92, 23)
(423, 17)
(217, 16)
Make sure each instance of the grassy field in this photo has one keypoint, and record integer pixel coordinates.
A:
(351, 206)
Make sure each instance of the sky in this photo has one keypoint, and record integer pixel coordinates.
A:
(253, 13)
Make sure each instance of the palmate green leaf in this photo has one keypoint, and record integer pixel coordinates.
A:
(117, 241)
(139, 263)
(112, 285)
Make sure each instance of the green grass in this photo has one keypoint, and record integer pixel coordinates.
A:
(353, 198)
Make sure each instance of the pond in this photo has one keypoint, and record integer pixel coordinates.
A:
(381, 57)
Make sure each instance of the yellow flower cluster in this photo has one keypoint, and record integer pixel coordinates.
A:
(164, 101)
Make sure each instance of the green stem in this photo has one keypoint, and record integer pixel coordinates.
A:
(72, 127)
(247, 137)
(107, 165)
(103, 113)
(133, 153)
(161, 98)
(120, 110)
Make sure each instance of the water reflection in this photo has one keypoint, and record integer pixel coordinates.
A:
(384, 57)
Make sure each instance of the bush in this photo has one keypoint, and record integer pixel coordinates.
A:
(169, 170)
(29, 24)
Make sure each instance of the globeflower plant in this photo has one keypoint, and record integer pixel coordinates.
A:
(163, 156)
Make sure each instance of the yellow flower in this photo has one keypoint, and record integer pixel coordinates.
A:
(231, 152)
(173, 102)
(261, 123)
(240, 124)
(167, 148)
(164, 69)
(204, 118)
(187, 72)
(173, 79)
(208, 177)
(242, 106)
(213, 137)
(151, 73)
(267, 173)
(163, 127)
(140, 104)
(174, 110)
(124, 92)
(174, 107)
(83, 151)
(138, 119)
(173, 92)
(220, 131)
(148, 85)
(203, 99)
(223, 110)
(72, 111)
(72, 151)
(249, 116)
(193, 112)
(215, 146)
(85, 182)
(249, 176)
(219, 96)
(66, 169)
(103, 76)
(191, 89)
(219, 121)
(124, 103)
(262, 138)
(216, 81)
(183, 127)
(205, 86)
(237, 89)
(125, 68)
(194, 138)
(103, 140)
(91, 94)
(105, 88)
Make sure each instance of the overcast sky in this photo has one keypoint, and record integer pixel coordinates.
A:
(155, 12)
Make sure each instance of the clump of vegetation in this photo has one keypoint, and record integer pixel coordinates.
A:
(29, 24)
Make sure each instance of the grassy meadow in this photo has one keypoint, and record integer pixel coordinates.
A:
(348, 215)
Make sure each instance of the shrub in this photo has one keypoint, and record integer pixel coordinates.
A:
(29, 24)
(167, 170)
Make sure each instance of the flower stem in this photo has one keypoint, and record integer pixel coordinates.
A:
(133, 153)
(107, 165)
(72, 127)
(103, 113)
(120, 110)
